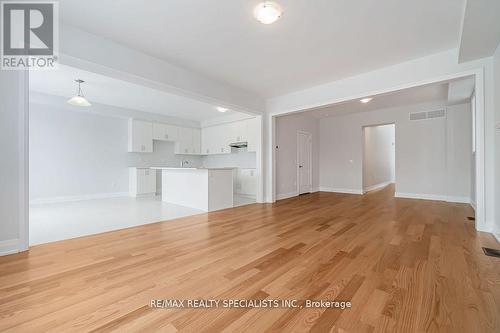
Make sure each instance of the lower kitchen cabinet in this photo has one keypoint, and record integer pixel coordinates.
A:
(142, 181)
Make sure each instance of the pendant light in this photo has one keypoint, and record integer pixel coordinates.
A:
(79, 99)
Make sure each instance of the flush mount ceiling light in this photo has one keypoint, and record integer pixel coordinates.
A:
(221, 109)
(366, 100)
(79, 99)
(267, 12)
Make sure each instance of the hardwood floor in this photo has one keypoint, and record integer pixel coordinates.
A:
(406, 266)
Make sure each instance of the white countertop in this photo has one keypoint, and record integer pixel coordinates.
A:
(179, 168)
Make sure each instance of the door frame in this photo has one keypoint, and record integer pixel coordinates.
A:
(300, 132)
(363, 190)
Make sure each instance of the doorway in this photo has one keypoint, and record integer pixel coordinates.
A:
(379, 156)
(304, 162)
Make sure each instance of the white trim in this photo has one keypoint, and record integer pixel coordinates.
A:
(310, 160)
(421, 196)
(9, 246)
(377, 186)
(435, 197)
(481, 223)
(286, 195)
(22, 243)
(497, 237)
(340, 190)
(457, 199)
(78, 198)
(473, 205)
(248, 196)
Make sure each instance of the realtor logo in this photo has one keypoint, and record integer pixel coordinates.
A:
(29, 34)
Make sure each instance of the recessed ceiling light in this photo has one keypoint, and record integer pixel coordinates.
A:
(79, 99)
(366, 100)
(221, 109)
(267, 12)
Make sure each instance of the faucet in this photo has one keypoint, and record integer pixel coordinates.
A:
(183, 163)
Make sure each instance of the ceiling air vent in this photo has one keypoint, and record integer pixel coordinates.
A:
(418, 115)
(435, 114)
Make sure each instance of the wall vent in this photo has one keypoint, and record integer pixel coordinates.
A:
(435, 114)
(418, 115)
(427, 115)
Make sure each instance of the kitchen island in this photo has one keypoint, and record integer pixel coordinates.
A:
(207, 189)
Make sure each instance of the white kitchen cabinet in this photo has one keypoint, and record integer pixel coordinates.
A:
(252, 126)
(142, 181)
(188, 141)
(164, 132)
(237, 131)
(184, 141)
(140, 136)
(196, 142)
(207, 140)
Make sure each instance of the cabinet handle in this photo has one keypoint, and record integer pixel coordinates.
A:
(185, 150)
(143, 147)
(166, 136)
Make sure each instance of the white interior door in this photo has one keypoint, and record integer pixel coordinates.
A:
(304, 161)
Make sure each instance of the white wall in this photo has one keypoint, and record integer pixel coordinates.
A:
(379, 156)
(239, 158)
(421, 152)
(12, 206)
(79, 153)
(435, 68)
(459, 151)
(286, 154)
(496, 65)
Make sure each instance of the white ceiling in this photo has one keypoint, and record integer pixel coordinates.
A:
(416, 95)
(314, 42)
(105, 90)
(481, 29)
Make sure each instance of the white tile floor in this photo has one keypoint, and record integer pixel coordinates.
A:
(52, 222)
(58, 221)
(241, 200)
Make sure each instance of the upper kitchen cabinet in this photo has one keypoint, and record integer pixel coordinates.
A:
(208, 145)
(252, 132)
(216, 139)
(188, 141)
(164, 132)
(140, 136)
(196, 143)
(237, 131)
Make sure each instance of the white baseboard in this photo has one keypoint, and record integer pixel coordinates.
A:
(473, 205)
(377, 186)
(497, 237)
(246, 195)
(9, 246)
(282, 196)
(78, 198)
(458, 199)
(436, 197)
(340, 190)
